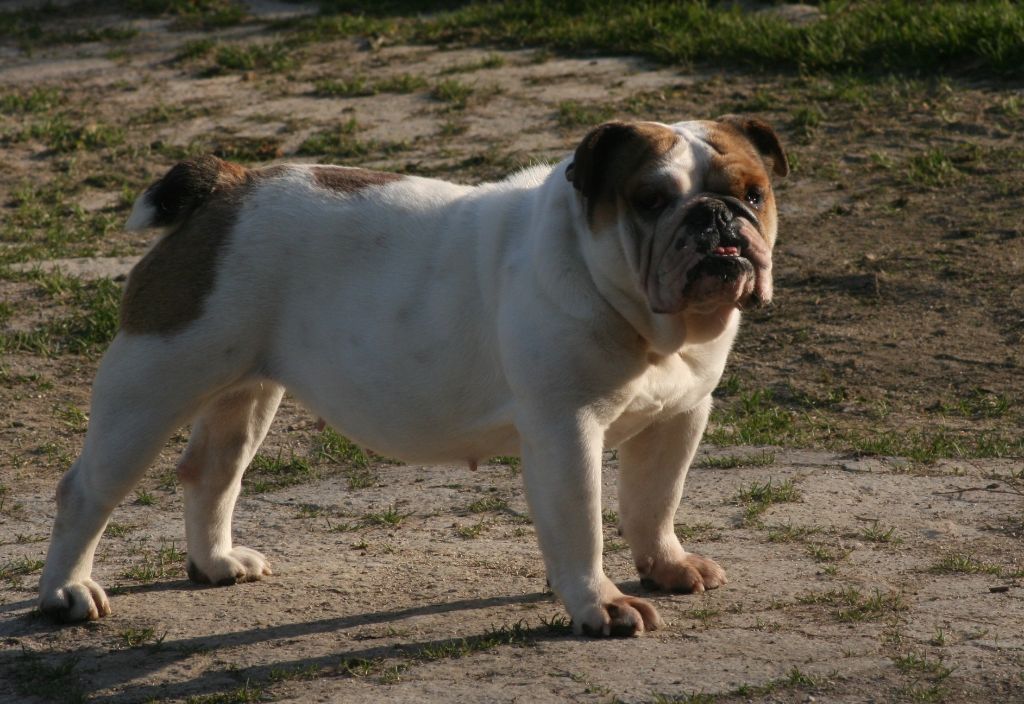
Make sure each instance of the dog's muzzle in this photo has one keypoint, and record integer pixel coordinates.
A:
(717, 242)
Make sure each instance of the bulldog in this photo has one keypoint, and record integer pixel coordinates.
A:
(562, 311)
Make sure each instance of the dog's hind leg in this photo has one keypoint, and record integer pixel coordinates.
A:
(146, 387)
(224, 440)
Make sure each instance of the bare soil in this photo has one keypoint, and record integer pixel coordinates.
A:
(883, 390)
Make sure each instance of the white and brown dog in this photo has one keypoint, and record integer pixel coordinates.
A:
(561, 311)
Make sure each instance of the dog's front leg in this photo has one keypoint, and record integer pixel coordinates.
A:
(562, 471)
(652, 470)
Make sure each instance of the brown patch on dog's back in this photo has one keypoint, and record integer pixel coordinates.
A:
(610, 157)
(166, 290)
(349, 180)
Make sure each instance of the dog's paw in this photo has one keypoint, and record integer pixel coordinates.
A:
(621, 617)
(687, 574)
(238, 565)
(75, 601)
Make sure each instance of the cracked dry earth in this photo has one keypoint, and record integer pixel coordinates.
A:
(851, 578)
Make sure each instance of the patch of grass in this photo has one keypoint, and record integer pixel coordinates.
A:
(33, 100)
(696, 531)
(571, 114)
(33, 676)
(118, 530)
(875, 38)
(506, 461)
(758, 418)
(295, 673)
(753, 420)
(789, 533)
(488, 504)
(489, 61)
(759, 459)
(13, 570)
(518, 634)
(132, 637)
(87, 329)
(246, 149)
(933, 168)
(978, 403)
(166, 561)
(63, 136)
(144, 498)
(390, 516)
(852, 606)
(806, 120)
(961, 563)
(196, 49)
(876, 534)
(454, 92)
(273, 57)
(72, 416)
(341, 142)
(363, 86)
(193, 14)
(758, 497)
(333, 447)
(794, 679)
(246, 694)
(471, 532)
(825, 553)
(268, 473)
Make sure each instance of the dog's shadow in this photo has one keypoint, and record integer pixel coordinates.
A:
(116, 669)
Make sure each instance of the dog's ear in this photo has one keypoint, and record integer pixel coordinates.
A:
(611, 152)
(764, 139)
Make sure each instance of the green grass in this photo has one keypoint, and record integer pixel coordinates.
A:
(961, 563)
(192, 14)
(273, 57)
(488, 504)
(49, 680)
(758, 418)
(489, 61)
(887, 36)
(518, 634)
(363, 86)
(851, 606)
(166, 561)
(34, 100)
(453, 92)
(132, 637)
(572, 114)
(758, 459)
(13, 570)
(269, 473)
(390, 516)
(876, 534)
(340, 142)
(331, 446)
(757, 497)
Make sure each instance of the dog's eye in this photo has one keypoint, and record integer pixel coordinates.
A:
(649, 199)
(755, 196)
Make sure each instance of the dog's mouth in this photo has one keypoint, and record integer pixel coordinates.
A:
(718, 256)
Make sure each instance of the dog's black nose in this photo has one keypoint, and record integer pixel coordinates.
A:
(713, 223)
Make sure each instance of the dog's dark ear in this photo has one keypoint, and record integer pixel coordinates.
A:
(612, 151)
(764, 139)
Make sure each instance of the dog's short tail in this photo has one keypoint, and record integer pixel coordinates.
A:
(173, 198)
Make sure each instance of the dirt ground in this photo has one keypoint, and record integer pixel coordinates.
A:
(861, 481)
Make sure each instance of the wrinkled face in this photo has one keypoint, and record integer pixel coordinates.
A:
(693, 205)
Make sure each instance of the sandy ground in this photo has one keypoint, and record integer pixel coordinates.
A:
(871, 580)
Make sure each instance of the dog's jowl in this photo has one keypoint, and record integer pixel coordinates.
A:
(593, 303)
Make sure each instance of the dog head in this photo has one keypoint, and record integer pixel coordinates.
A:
(691, 206)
